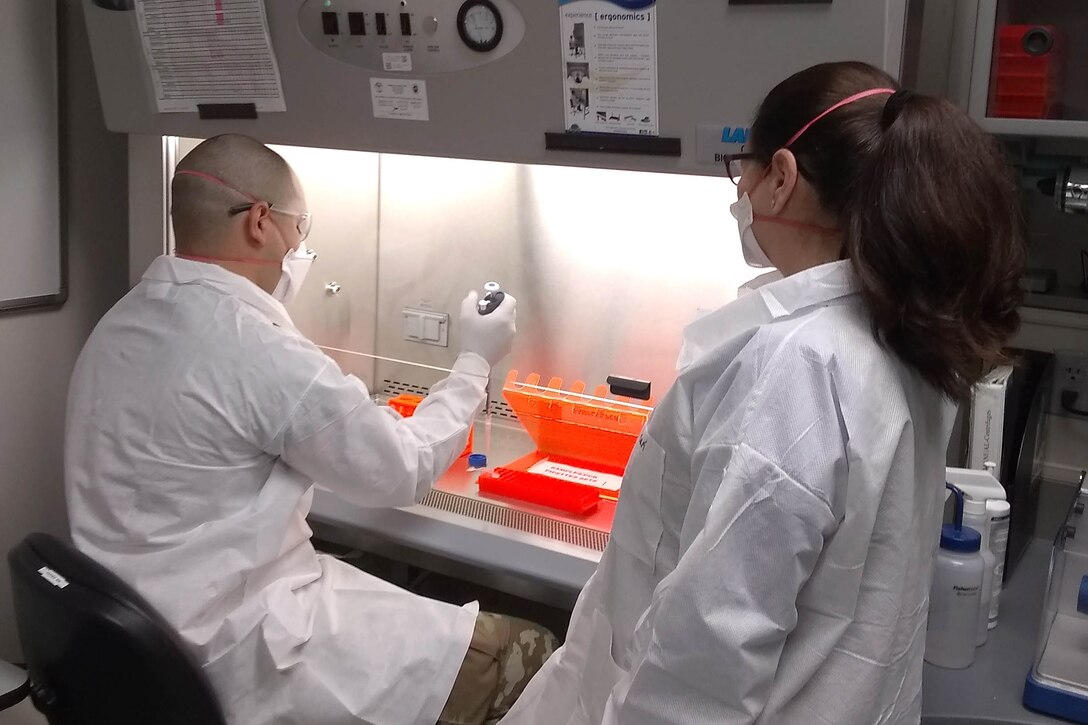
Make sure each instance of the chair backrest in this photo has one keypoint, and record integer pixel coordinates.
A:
(14, 685)
(97, 652)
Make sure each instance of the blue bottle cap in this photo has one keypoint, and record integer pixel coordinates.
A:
(956, 536)
(477, 460)
(1082, 597)
(962, 539)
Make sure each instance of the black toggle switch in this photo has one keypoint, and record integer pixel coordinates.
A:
(379, 24)
(330, 23)
(405, 24)
(356, 24)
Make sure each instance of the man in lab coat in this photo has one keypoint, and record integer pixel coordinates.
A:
(199, 419)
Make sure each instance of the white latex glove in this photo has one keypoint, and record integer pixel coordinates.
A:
(489, 336)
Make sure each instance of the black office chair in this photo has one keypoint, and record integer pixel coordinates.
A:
(14, 685)
(97, 652)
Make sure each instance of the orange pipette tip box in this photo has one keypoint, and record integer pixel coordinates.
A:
(582, 440)
(406, 404)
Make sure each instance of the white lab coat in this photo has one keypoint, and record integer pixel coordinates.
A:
(198, 420)
(771, 555)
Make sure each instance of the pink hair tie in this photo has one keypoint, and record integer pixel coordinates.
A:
(846, 101)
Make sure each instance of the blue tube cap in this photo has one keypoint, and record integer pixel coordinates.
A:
(477, 460)
(963, 539)
(1082, 598)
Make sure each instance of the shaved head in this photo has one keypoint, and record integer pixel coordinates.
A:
(199, 206)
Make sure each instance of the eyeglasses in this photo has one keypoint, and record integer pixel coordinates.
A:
(735, 167)
(303, 219)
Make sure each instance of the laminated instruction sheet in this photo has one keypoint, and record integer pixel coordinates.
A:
(208, 52)
(609, 51)
(575, 474)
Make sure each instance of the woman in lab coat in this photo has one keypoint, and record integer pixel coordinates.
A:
(772, 550)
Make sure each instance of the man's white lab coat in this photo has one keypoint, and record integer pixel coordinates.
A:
(198, 421)
(771, 556)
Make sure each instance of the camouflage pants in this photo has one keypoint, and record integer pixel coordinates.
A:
(503, 656)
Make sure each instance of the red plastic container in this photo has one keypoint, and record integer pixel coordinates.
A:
(1027, 72)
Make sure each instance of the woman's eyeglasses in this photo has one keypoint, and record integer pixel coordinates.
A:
(735, 165)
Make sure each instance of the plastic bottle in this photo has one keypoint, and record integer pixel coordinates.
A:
(955, 595)
(975, 516)
(998, 512)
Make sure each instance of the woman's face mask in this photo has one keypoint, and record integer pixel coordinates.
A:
(742, 211)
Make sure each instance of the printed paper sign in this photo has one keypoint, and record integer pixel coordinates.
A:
(209, 52)
(397, 61)
(399, 98)
(609, 50)
(584, 476)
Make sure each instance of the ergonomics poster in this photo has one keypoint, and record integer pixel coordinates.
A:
(609, 51)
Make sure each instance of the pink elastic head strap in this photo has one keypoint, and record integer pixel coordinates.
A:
(215, 180)
(844, 102)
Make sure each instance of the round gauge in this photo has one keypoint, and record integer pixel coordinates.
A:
(479, 25)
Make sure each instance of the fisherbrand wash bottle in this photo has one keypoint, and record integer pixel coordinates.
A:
(956, 594)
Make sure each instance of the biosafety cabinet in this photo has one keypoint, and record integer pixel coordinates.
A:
(570, 149)
(438, 134)
(442, 143)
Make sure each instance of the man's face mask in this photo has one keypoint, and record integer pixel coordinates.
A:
(296, 264)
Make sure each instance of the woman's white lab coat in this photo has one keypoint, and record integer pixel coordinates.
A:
(198, 420)
(771, 556)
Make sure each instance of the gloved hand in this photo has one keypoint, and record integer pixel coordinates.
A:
(489, 336)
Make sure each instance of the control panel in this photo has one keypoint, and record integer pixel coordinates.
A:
(417, 36)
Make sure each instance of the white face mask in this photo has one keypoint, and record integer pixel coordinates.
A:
(295, 266)
(754, 255)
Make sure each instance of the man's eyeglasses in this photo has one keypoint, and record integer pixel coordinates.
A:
(303, 219)
(735, 166)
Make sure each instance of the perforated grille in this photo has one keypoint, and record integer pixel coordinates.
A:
(395, 387)
(501, 409)
(520, 520)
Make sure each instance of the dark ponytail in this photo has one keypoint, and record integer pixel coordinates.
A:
(929, 210)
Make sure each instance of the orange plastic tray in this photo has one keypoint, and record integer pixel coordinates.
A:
(534, 488)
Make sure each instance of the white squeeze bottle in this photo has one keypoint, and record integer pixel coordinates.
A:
(999, 512)
(956, 594)
(975, 516)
